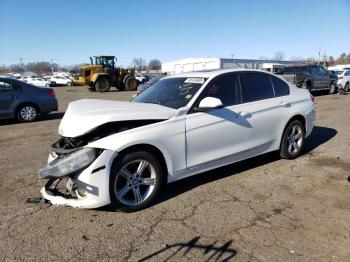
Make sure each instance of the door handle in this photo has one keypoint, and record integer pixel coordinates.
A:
(244, 114)
(285, 104)
(13, 97)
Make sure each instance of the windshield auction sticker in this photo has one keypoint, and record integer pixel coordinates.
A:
(195, 80)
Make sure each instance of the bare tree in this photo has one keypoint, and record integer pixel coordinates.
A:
(264, 58)
(4, 70)
(39, 68)
(138, 63)
(17, 68)
(154, 64)
(331, 60)
(296, 58)
(279, 55)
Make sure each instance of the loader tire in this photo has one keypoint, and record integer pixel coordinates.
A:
(131, 83)
(102, 85)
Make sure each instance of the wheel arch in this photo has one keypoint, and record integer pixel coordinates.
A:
(151, 149)
(95, 77)
(299, 117)
(27, 103)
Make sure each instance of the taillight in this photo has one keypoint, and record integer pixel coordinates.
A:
(312, 98)
(340, 77)
(52, 93)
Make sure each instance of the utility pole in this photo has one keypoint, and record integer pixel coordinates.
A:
(21, 62)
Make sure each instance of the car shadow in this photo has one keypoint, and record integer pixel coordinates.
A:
(52, 116)
(48, 117)
(319, 136)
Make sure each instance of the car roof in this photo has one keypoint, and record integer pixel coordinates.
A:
(6, 78)
(213, 73)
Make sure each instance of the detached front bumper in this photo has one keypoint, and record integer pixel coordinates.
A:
(88, 188)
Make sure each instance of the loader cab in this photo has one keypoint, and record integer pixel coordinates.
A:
(105, 61)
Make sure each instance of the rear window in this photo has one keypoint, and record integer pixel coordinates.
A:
(281, 88)
(256, 86)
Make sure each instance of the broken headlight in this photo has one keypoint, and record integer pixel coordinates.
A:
(67, 165)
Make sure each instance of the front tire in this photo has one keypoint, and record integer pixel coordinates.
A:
(27, 113)
(292, 140)
(102, 85)
(135, 181)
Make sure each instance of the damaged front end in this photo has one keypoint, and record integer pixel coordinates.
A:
(78, 175)
(64, 172)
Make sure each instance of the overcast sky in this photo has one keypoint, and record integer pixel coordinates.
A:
(68, 32)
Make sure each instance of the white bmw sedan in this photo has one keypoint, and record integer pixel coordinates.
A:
(122, 153)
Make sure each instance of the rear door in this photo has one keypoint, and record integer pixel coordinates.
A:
(8, 98)
(325, 77)
(267, 107)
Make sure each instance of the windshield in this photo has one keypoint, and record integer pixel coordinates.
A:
(172, 92)
(338, 72)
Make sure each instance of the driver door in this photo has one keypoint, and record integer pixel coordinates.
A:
(218, 134)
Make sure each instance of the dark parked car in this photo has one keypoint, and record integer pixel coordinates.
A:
(311, 77)
(24, 101)
(142, 87)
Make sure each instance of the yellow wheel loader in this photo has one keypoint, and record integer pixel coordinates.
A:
(102, 75)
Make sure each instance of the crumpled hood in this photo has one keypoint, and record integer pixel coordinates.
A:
(87, 114)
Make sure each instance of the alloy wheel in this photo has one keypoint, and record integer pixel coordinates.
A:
(28, 113)
(295, 139)
(135, 182)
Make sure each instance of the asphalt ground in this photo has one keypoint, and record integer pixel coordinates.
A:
(262, 209)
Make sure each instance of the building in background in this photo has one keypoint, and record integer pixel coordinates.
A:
(203, 64)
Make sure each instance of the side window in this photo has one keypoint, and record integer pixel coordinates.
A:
(87, 72)
(5, 86)
(315, 70)
(347, 73)
(281, 88)
(225, 88)
(304, 69)
(322, 71)
(256, 86)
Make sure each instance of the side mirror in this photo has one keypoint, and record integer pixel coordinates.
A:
(209, 103)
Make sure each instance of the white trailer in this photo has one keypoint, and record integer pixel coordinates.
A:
(215, 63)
(272, 67)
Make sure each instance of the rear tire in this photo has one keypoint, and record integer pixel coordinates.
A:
(346, 87)
(292, 142)
(332, 89)
(102, 85)
(27, 113)
(135, 181)
(307, 85)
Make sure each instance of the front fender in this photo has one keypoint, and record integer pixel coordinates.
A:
(167, 136)
(94, 77)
